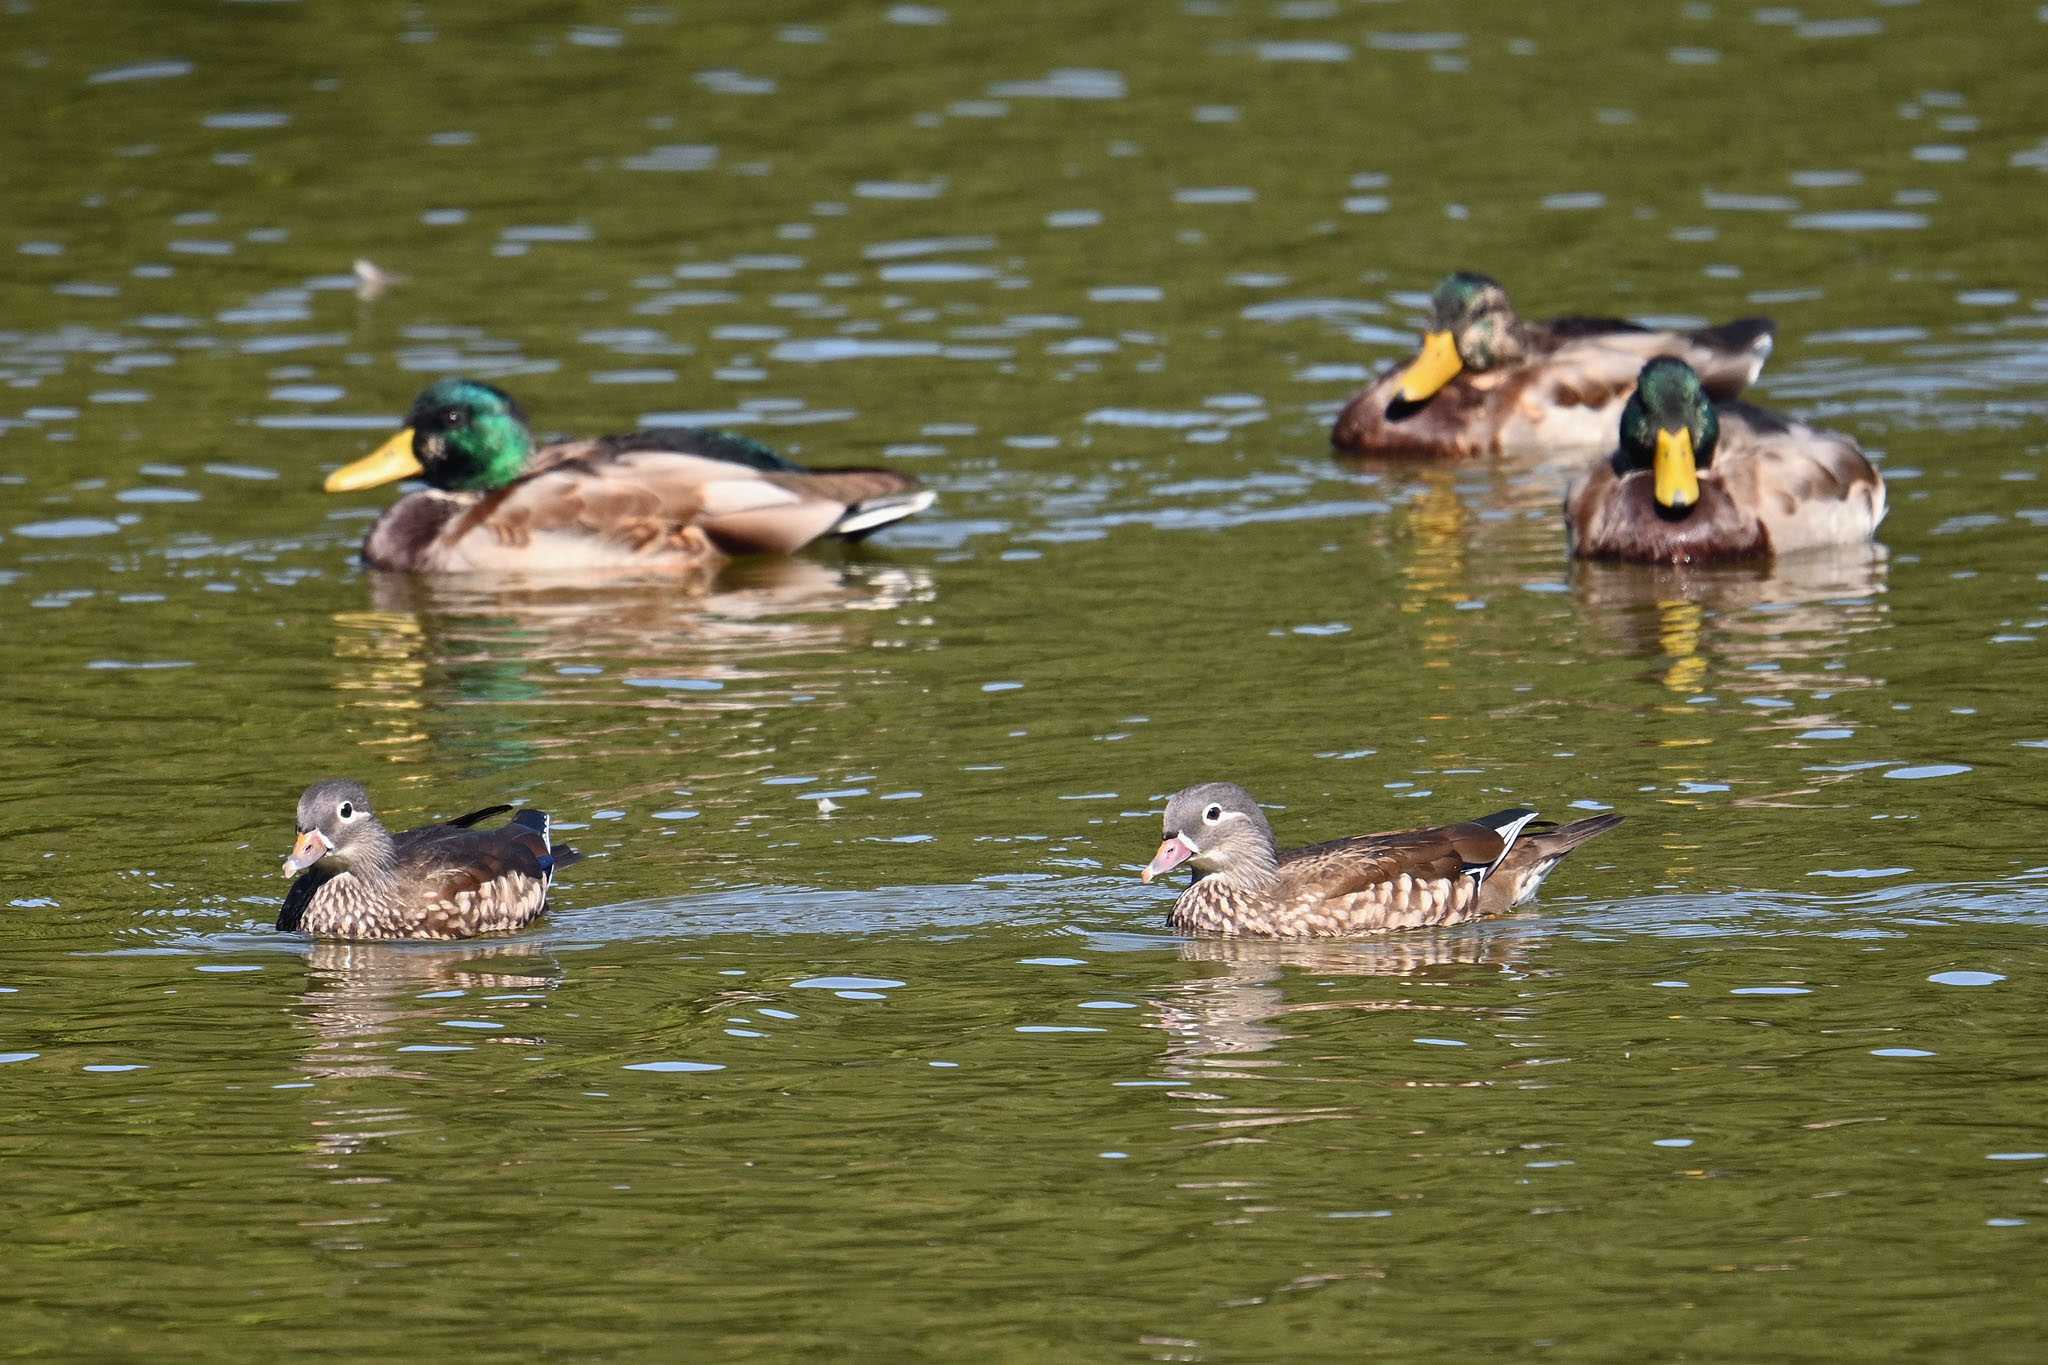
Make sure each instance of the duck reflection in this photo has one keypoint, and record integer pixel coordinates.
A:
(1454, 532)
(427, 647)
(1794, 614)
(1218, 1022)
(362, 998)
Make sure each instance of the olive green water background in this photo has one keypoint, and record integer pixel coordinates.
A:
(923, 1075)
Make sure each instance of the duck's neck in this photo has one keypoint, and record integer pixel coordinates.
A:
(1255, 872)
(373, 857)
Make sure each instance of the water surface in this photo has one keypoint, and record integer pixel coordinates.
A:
(856, 1032)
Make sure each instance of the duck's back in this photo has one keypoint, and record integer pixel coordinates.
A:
(666, 498)
(1806, 486)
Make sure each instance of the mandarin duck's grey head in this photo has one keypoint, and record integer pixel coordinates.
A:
(334, 817)
(1216, 827)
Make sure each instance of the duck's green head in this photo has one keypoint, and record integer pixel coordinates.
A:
(1472, 327)
(1670, 429)
(462, 434)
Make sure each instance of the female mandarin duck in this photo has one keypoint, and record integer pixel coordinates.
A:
(1243, 884)
(670, 498)
(1690, 482)
(355, 879)
(1488, 383)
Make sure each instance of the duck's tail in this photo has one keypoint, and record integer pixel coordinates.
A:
(556, 856)
(870, 515)
(1738, 350)
(1542, 846)
(874, 498)
(868, 499)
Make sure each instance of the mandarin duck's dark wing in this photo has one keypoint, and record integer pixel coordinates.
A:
(468, 882)
(452, 850)
(465, 821)
(1346, 867)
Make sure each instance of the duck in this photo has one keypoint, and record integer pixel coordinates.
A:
(669, 498)
(1242, 885)
(356, 880)
(1488, 383)
(1691, 481)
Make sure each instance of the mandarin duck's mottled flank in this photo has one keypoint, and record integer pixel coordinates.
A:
(358, 880)
(1691, 482)
(1411, 879)
(666, 500)
(1489, 383)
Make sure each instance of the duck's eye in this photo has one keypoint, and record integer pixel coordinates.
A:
(1212, 815)
(449, 417)
(347, 811)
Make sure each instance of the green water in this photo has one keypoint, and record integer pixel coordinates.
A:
(923, 1075)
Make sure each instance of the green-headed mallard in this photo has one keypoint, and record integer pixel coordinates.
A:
(1691, 481)
(358, 880)
(1488, 383)
(670, 498)
(1244, 885)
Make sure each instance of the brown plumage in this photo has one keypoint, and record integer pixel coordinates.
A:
(1489, 383)
(676, 498)
(1244, 885)
(357, 880)
(1740, 482)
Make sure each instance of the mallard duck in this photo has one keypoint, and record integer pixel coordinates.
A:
(358, 880)
(670, 498)
(1488, 383)
(1242, 884)
(1691, 481)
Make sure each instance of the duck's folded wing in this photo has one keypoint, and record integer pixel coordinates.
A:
(1346, 867)
(1808, 486)
(478, 880)
(477, 816)
(650, 498)
(1576, 328)
(1594, 371)
(1602, 358)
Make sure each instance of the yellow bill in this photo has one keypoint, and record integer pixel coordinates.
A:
(1678, 475)
(387, 463)
(1437, 366)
